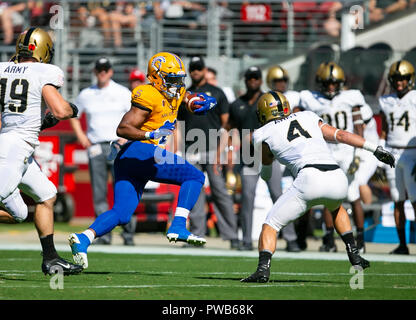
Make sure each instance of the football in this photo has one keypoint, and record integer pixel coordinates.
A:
(191, 99)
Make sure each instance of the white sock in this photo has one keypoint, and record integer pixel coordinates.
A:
(181, 212)
(90, 235)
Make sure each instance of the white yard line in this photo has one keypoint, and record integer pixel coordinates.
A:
(161, 250)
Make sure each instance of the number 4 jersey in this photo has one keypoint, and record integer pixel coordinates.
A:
(401, 118)
(21, 87)
(295, 141)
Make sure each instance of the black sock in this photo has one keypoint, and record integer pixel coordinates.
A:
(348, 239)
(402, 236)
(360, 233)
(330, 232)
(329, 236)
(265, 258)
(48, 247)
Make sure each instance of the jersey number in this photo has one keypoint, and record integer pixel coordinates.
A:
(328, 119)
(403, 121)
(19, 95)
(295, 130)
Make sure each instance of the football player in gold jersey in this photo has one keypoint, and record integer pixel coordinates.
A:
(146, 125)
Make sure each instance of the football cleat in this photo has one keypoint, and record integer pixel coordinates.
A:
(178, 233)
(58, 265)
(328, 248)
(400, 250)
(356, 260)
(261, 275)
(79, 244)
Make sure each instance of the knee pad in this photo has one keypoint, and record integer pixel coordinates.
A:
(16, 206)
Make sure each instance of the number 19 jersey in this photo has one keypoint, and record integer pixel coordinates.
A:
(295, 141)
(21, 87)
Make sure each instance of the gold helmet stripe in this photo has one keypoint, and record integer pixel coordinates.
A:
(277, 98)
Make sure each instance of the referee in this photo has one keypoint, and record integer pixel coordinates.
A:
(104, 104)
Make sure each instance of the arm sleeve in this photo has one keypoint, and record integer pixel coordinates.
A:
(53, 75)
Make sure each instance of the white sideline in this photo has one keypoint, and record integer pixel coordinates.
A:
(165, 250)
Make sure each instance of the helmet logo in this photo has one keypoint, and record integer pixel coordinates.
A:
(157, 62)
(32, 47)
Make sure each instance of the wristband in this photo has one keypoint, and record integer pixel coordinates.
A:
(369, 146)
(148, 135)
(335, 135)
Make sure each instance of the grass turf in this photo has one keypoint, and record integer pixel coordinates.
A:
(172, 277)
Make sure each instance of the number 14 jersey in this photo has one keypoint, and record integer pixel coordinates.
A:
(21, 87)
(401, 118)
(295, 141)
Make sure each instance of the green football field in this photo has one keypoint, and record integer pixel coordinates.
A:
(190, 277)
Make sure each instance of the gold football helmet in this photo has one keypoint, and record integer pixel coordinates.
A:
(402, 70)
(276, 73)
(35, 43)
(272, 105)
(330, 72)
(166, 72)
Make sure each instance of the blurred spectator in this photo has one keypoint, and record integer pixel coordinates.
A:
(331, 25)
(125, 15)
(223, 12)
(150, 12)
(379, 9)
(312, 17)
(211, 77)
(88, 15)
(180, 15)
(136, 78)
(11, 18)
(184, 10)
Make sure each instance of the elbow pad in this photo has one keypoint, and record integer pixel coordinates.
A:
(266, 172)
(74, 110)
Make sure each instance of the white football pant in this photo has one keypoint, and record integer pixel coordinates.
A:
(310, 188)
